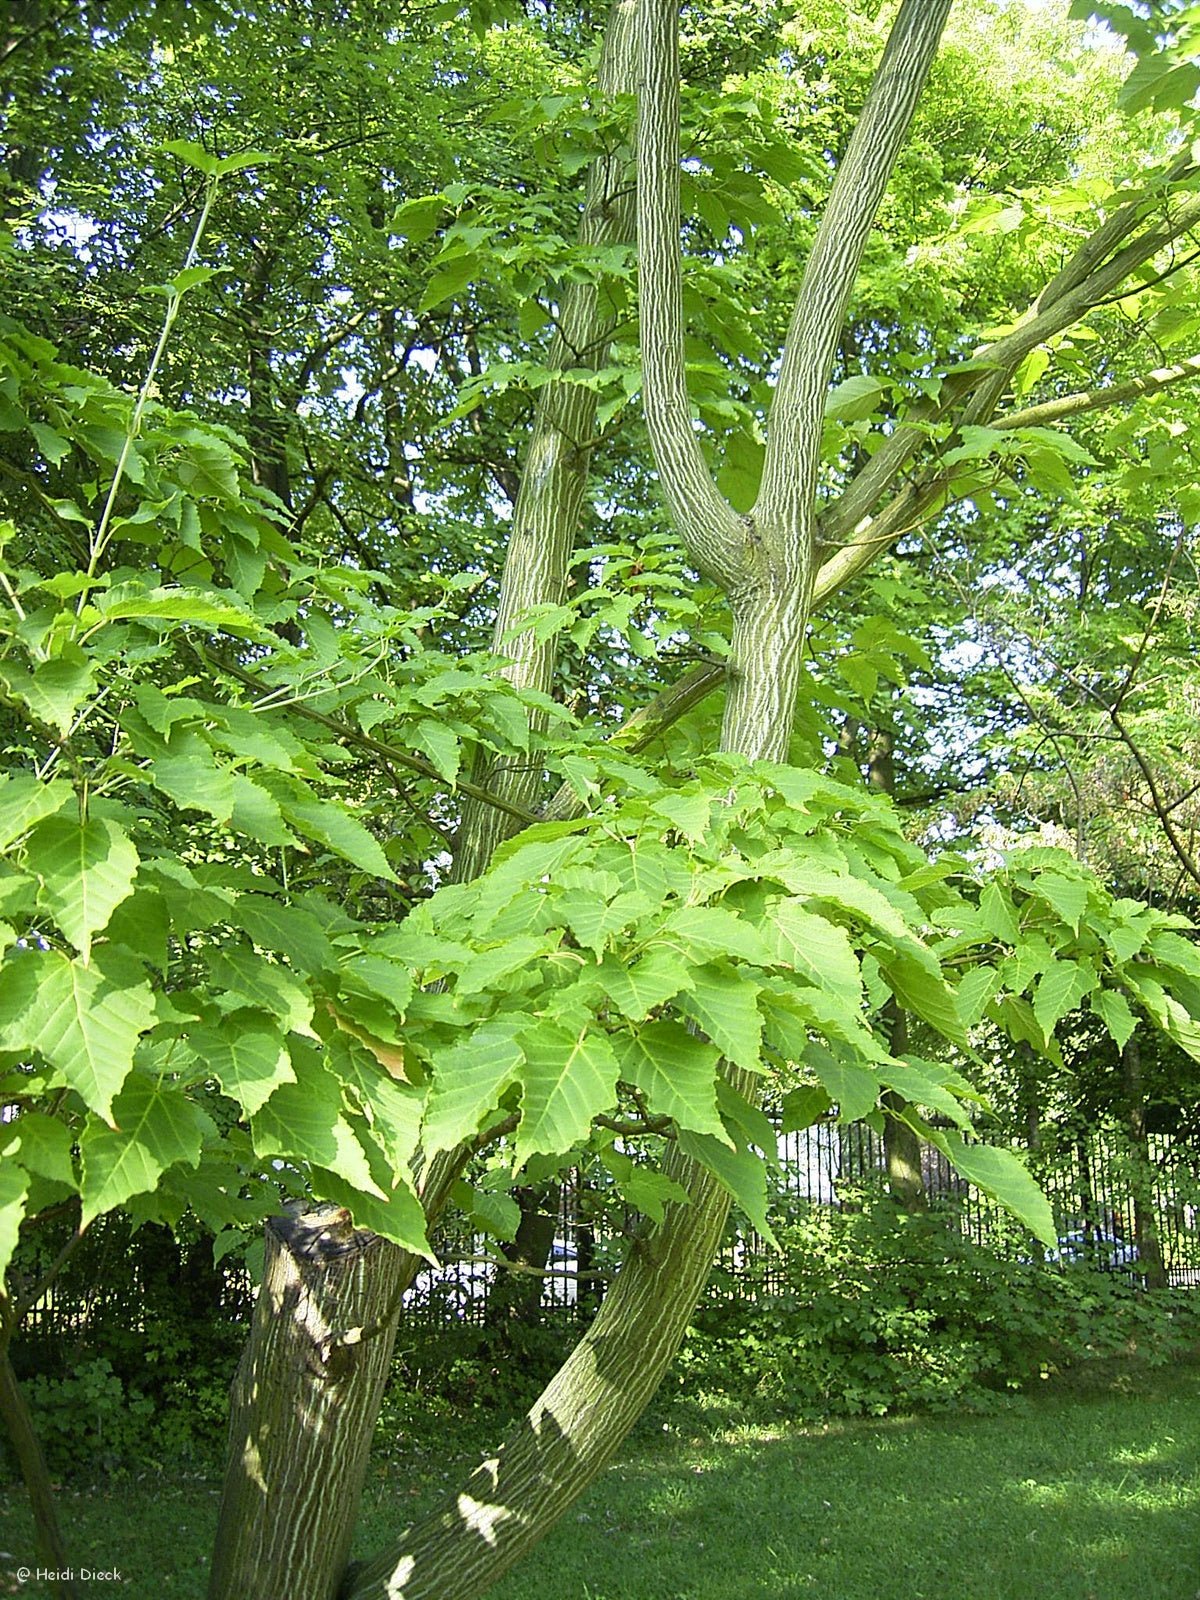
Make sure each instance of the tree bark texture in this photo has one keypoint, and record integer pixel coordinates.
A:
(554, 482)
(303, 1409)
(587, 1409)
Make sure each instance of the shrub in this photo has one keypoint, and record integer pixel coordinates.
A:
(874, 1310)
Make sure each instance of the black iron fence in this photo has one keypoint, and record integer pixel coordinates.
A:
(117, 1278)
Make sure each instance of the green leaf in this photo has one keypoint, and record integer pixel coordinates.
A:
(497, 1214)
(441, 744)
(930, 997)
(1113, 1010)
(175, 604)
(649, 983)
(192, 155)
(155, 1127)
(1068, 896)
(332, 825)
(706, 933)
(677, 1073)
(55, 690)
(14, 1186)
(1060, 989)
(813, 947)
(468, 1080)
(853, 398)
(643, 1188)
(303, 1121)
(1001, 1174)
(803, 1107)
(739, 1170)
(923, 1083)
(997, 914)
(243, 980)
(854, 1089)
(25, 801)
(86, 870)
(247, 1060)
(41, 1144)
(392, 1110)
(593, 920)
(725, 1005)
(566, 1079)
(84, 1023)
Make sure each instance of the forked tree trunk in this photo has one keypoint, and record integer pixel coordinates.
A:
(766, 563)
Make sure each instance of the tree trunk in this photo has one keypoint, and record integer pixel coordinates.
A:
(901, 1143)
(766, 563)
(516, 1296)
(303, 1407)
(49, 1543)
(1145, 1221)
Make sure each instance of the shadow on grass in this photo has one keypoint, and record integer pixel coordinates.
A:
(1073, 1497)
(1086, 1494)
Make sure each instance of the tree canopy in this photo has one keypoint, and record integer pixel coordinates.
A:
(479, 487)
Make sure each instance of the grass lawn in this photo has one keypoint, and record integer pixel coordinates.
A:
(1068, 1496)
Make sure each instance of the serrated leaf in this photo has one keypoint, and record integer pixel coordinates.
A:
(706, 933)
(468, 1080)
(156, 1127)
(724, 1004)
(637, 990)
(803, 1107)
(854, 1089)
(975, 989)
(41, 1144)
(742, 1173)
(243, 980)
(677, 1073)
(86, 870)
(1059, 990)
(930, 997)
(441, 744)
(593, 920)
(331, 824)
(1068, 896)
(85, 1024)
(642, 1187)
(130, 601)
(815, 948)
(854, 398)
(1113, 1010)
(303, 1121)
(54, 690)
(997, 916)
(921, 1083)
(566, 1079)
(25, 801)
(248, 1060)
(497, 1214)
(392, 1110)
(1001, 1174)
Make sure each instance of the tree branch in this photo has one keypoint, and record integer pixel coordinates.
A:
(785, 502)
(715, 536)
(1112, 394)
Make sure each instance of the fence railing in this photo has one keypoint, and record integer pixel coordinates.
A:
(116, 1279)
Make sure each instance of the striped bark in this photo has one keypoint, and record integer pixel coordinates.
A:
(572, 1431)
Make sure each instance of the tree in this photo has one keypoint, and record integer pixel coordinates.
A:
(768, 909)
